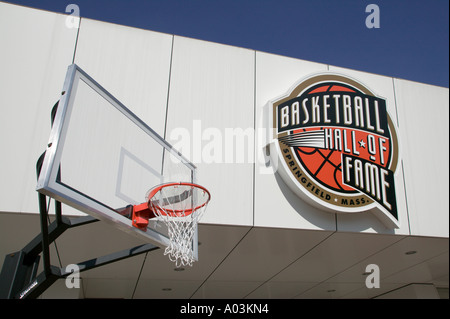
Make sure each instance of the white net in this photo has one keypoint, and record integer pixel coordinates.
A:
(179, 206)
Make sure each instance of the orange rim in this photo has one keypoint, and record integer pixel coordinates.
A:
(176, 212)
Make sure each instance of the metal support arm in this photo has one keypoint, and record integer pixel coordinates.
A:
(45, 279)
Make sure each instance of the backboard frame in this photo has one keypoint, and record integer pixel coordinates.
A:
(50, 185)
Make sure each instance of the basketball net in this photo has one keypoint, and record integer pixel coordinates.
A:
(179, 206)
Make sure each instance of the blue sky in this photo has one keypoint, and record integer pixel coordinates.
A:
(412, 41)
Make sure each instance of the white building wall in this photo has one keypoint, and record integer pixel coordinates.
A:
(35, 49)
(211, 93)
(206, 90)
(423, 112)
(132, 64)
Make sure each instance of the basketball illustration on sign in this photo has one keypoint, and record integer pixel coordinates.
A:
(337, 146)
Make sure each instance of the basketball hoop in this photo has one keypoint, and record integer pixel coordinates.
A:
(179, 206)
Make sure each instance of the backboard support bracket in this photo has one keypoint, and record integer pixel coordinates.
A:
(18, 277)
